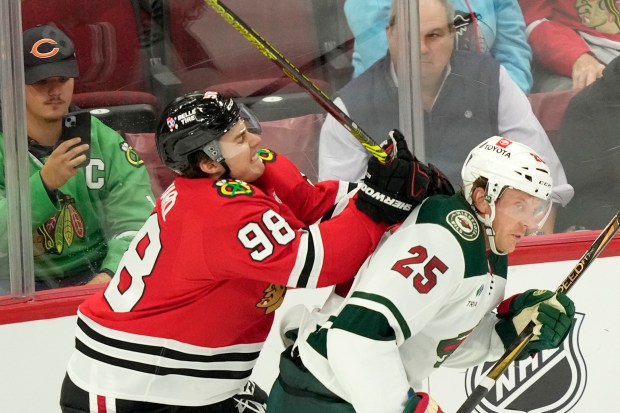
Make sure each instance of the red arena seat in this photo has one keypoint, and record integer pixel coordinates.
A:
(549, 108)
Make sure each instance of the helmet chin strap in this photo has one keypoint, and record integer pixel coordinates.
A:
(487, 221)
(226, 173)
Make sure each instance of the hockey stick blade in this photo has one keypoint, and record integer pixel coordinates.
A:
(527, 334)
(298, 77)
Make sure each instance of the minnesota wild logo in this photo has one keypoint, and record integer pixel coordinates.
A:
(131, 155)
(464, 224)
(233, 187)
(61, 229)
(266, 155)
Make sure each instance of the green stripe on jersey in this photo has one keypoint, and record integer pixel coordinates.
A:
(359, 319)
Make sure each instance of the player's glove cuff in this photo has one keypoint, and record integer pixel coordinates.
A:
(422, 403)
(381, 206)
(439, 183)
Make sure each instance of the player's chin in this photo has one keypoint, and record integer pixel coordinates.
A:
(508, 245)
(254, 172)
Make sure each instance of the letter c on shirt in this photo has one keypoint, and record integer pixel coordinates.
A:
(93, 182)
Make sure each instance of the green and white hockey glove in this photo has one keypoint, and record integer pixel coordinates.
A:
(553, 314)
(422, 403)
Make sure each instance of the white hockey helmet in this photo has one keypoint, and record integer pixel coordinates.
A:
(507, 164)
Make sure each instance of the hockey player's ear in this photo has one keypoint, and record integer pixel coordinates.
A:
(211, 167)
(479, 201)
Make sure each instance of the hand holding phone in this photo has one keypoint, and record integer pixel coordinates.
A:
(76, 124)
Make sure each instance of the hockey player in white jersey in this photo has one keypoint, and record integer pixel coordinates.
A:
(430, 296)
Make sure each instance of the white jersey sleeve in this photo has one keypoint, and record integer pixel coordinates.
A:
(482, 345)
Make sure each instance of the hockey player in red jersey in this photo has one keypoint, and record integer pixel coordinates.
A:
(180, 326)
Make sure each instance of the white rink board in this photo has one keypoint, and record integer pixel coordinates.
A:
(33, 355)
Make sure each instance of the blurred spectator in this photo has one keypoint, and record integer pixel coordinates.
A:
(572, 40)
(83, 217)
(483, 26)
(465, 97)
(590, 151)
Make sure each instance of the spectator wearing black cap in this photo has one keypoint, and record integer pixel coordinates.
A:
(84, 215)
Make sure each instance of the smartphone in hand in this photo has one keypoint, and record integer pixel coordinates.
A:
(76, 124)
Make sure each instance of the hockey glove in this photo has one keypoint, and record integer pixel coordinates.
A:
(422, 403)
(251, 399)
(389, 192)
(553, 314)
(440, 184)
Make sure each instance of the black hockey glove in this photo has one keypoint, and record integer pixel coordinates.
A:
(440, 184)
(251, 399)
(389, 192)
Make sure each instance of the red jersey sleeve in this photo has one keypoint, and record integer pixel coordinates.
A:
(265, 241)
(309, 202)
(551, 27)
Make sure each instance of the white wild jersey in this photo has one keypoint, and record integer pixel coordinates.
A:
(425, 298)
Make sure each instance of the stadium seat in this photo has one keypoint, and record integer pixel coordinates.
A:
(113, 71)
(549, 108)
(205, 52)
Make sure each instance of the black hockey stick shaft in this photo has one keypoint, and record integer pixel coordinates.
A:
(298, 77)
(527, 334)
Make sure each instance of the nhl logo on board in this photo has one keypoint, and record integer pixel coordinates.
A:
(551, 382)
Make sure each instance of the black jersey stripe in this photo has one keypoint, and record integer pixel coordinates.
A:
(159, 370)
(304, 276)
(164, 351)
(351, 186)
(328, 215)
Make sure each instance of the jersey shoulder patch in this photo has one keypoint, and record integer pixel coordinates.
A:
(464, 224)
(267, 155)
(455, 214)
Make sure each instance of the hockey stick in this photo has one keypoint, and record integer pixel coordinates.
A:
(298, 77)
(527, 334)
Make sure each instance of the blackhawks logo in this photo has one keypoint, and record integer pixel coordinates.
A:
(233, 187)
(61, 229)
(131, 155)
(274, 295)
(266, 155)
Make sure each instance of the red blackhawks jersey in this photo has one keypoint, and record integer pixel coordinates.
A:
(184, 318)
(560, 31)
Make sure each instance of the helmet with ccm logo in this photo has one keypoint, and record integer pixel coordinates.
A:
(505, 164)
